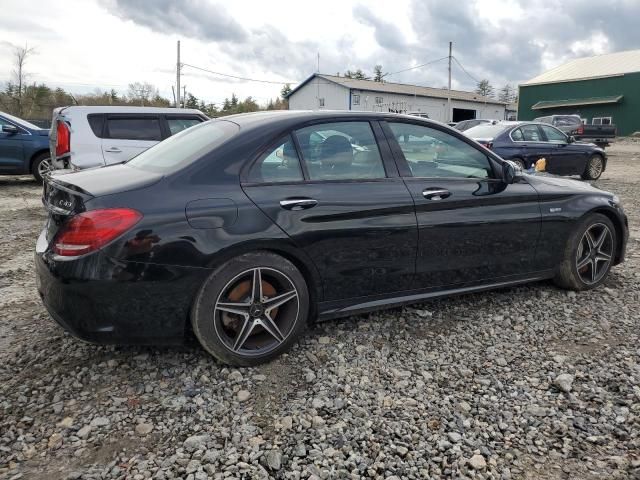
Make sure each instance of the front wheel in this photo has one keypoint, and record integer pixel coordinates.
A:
(41, 166)
(589, 254)
(251, 309)
(594, 168)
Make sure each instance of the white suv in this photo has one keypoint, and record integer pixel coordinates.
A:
(84, 137)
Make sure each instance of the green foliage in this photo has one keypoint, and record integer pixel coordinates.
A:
(507, 94)
(358, 75)
(485, 88)
(377, 73)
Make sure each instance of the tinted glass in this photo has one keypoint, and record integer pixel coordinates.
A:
(553, 134)
(279, 164)
(530, 133)
(132, 128)
(178, 124)
(185, 147)
(516, 135)
(96, 122)
(484, 130)
(340, 151)
(432, 153)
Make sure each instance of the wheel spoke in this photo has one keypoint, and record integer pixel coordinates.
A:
(243, 334)
(584, 262)
(274, 302)
(256, 287)
(590, 240)
(594, 270)
(601, 238)
(603, 257)
(270, 326)
(234, 307)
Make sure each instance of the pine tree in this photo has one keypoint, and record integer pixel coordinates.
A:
(484, 88)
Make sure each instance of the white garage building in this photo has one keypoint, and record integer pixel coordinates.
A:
(342, 93)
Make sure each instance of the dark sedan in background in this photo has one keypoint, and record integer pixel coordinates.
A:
(526, 142)
(244, 229)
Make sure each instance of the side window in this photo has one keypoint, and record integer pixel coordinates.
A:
(96, 122)
(340, 151)
(279, 164)
(433, 153)
(553, 134)
(517, 136)
(530, 133)
(134, 128)
(178, 124)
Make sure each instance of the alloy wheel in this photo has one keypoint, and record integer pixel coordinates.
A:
(595, 167)
(594, 253)
(256, 311)
(44, 167)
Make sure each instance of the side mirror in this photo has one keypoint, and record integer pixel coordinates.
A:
(10, 129)
(511, 172)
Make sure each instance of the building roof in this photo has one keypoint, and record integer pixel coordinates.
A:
(599, 66)
(575, 102)
(399, 88)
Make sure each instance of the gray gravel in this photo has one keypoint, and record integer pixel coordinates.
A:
(528, 382)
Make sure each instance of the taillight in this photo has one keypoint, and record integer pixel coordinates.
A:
(488, 145)
(89, 231)
(580, 130)
(63, 138)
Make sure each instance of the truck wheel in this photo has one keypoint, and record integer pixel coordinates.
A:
(594, 168)
(41, 166)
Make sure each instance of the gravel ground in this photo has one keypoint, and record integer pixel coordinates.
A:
(528, 382)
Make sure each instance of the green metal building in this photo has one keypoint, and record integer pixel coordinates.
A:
(604, 89)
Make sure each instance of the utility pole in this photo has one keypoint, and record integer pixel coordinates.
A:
(178, 66)
(449, 117)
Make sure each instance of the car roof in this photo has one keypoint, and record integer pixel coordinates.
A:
(127, 109)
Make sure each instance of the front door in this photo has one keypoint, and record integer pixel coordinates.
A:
(472, 226)
(328, 187)
(126, 136)
(11, 149)
(567, 159)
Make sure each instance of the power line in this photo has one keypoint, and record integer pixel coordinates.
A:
(417, 66)
(235, 76)
(465, 71)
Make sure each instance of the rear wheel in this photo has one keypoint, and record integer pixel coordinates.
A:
(251, 309)
(41, 166)
(519, 162)
(589, 254)
(594, 168)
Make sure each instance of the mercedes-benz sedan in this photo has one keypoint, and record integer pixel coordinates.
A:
(245, 229)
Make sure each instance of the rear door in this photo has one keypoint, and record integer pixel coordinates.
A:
(472, 226)
(531, 143)
(336, 192)
(127, 135)
(567, 158)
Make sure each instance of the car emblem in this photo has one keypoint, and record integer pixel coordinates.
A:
(64, 203)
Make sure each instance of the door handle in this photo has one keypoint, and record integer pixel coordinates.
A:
(436, 193)
(298, 203)
(113, 150)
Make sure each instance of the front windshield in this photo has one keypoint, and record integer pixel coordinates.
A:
(185, 147)
(22, 123)
(484, 131)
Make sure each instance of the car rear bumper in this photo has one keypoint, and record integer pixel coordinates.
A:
(103, 301)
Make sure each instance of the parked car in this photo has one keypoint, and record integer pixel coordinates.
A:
(526, 142)
(24, 148)
(572, 125)
(84, 137)
(241, 231)
(467, 124)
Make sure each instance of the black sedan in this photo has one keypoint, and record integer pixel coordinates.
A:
(526, 142)
(246, 228)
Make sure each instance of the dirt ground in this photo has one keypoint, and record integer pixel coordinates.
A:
(29, 340)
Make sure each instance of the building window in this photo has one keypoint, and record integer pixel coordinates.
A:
(355, 99)
(378, 100)
(584, 121)
(321, 102)
(601, 121)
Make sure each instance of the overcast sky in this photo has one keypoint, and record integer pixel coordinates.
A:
(86, 44)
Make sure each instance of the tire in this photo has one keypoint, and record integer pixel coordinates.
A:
(38, 169)
(520, 163)
(236, 328)
(594, 168)
(571, 275)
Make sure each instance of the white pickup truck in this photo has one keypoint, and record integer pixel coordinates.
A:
(92, 136)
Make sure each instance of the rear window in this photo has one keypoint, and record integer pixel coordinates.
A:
(185, 147)
(96, 122)
(134, 128)
(484, 130)
(566, 121)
